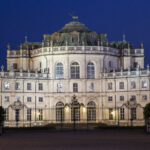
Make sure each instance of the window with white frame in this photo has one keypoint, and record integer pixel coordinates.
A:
(121, 113)
(6, 114)
(121, 98)
(17, 86)
(133, 113)
(91, 87)
(40, 86)
(59, 71)
(28, 86)
(40, 114)
(6, 98)
(133, 84)
(91, 111)
(110, 86)
(75, 87)
(144, 97)
(59, 87)
(144, 84)
(17, 98)
(90, 70)
(6, 85)
(40, 99)
(75, 70)
(60, 111)
(29, 110)
(110, 98)
(121, 85)
(29, 99)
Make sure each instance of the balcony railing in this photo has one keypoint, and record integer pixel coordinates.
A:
(123, 73)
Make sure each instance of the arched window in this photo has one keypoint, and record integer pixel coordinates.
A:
(91, 111)
(59, 71)
(60, 112)
(75, 70)
(90, 71)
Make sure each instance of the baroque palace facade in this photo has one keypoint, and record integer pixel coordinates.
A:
(74, 75)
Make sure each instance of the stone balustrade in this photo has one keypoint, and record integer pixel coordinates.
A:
(65, 49)
(32, 75)
(74, 49)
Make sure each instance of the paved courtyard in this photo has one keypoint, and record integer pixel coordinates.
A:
(107, 139)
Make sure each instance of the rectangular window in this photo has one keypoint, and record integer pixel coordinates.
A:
(133, 97)
(6, 114)
(121, 98)
(6, 98)
(144, 97)
(133, 113)
(40, 99)
(15, 66)
(91, 87)
(17, 86)
(40, 86)
(29, 99)
(75, 87)
(40, 117)
(17, 98)
(6, 85)
(121, 85)
(28, 86)
(110, 98)
(29, 114)
(121, 113)
(59, 87)
(110, 86)
(135, 64)
(144, 84)
(110, 114)
(133, 85)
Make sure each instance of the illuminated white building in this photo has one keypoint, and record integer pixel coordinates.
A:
(74, 74)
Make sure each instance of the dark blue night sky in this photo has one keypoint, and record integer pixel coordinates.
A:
(35, 17)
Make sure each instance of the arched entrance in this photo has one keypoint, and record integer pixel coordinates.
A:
(91, 111)
(59, 112)
(75, 110)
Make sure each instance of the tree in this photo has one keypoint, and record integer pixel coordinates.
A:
(147, 112)
(1, 119)
(1, 114)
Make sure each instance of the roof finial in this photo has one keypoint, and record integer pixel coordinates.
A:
(124, 37)
(26, 39)
(141, 45)
(74, 18)
(8, 46)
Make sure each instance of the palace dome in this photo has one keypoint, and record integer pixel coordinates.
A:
(75, 33)
(74, 26)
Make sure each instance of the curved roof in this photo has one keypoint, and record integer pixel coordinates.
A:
(74, 26)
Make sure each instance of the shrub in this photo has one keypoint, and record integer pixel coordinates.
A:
(147, 111)
(1, 115)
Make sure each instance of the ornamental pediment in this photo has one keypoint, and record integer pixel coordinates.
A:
(17, 105)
